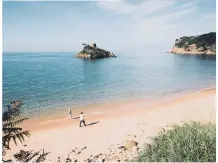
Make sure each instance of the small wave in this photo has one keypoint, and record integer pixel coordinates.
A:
(207, 89)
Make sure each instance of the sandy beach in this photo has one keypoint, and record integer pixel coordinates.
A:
(111, 125)
(112, 66)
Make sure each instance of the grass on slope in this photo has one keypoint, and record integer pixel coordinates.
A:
(191, 142)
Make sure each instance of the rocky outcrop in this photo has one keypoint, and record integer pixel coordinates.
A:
(195, 45)
(93, 52)
(116, 153)
(192, 50)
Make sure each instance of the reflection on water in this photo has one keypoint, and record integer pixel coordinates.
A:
(199, 57)
(206, 57)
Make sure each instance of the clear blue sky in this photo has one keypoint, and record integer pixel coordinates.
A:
(119, 25)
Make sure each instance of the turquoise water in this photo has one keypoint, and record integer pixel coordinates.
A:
(48, 82)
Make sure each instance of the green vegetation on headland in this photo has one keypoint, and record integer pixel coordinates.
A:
(93, 52)
(205, 40)
(191, 142)
(200, 44)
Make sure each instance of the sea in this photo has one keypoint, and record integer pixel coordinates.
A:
(50, 82)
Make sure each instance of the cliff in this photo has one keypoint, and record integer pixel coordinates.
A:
(196, 45)
(92, 52)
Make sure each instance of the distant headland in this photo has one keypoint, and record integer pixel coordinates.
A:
(204, 44)
(91, 51)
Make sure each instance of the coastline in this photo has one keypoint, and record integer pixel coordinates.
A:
(60, 136)
(192, 51)
(105, 110)
(119, 83)
(60, 113)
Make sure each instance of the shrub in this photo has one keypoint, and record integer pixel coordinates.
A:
(191, 142)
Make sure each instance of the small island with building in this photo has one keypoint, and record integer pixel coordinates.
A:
(204, 44)
(91, 52)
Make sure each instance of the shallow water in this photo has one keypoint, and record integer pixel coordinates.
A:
(48, 82)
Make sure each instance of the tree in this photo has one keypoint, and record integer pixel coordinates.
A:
(11, 118)
(26, 156)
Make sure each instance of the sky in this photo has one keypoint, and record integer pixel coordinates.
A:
(125, 25)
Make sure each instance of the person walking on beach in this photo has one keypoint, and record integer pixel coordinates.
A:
(82, 119)
(69, 113)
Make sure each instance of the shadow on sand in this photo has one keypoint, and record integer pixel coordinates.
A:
(75, 118)
(93, 123)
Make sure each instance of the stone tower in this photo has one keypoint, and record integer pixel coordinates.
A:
(93, 45)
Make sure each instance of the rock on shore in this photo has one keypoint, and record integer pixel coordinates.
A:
(93, 52)
(192, 50)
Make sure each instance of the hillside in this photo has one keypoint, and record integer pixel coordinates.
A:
(200, 44)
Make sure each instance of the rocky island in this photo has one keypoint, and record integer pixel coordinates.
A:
(204, 44)
(91, 51)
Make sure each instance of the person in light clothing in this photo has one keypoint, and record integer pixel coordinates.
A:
(69, 113)
(82, 120)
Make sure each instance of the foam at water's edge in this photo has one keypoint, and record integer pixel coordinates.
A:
(207, 89)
